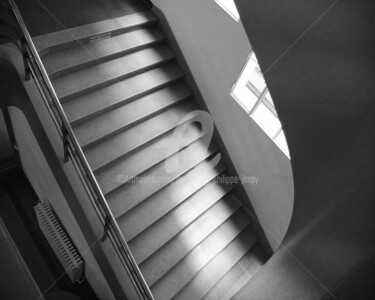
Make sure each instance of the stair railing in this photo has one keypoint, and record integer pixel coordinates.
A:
(74, 153)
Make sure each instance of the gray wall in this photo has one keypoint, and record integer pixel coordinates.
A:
(216, 47)
(322, 81)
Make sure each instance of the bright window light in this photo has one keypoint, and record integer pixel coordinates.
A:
(281, 141)
(230, 7)
(266, 119)
(251, 92)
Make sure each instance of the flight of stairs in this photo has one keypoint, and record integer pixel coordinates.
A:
(125, 98)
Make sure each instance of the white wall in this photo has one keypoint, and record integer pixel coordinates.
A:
(215, 47)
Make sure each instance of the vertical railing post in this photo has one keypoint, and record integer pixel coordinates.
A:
(106, 228)
(65, 139)
(25, 58)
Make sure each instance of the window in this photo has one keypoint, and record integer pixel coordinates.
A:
(251, 92)
(230, 7)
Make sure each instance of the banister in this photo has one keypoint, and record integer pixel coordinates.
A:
(73, 150)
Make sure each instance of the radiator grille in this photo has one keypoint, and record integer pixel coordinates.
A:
(59, 241)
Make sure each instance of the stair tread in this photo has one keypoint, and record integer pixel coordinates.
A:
(85, 31)
(120, 92)
(125, 98)
(93, 77)
(176, 249)
(130, 113)
(218, 266)
(154, 237)
(144, 159)
(130, 194)
(224, 241)
(82, 55)
(248, 274)
(126, 141)
(152, 209)
(248, 265)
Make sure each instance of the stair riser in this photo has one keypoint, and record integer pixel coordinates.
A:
(211, 201)
(124, 99)
(94, 61)
(86, 40)
(224, 217)
(210, 152)
(138, 147)
(95, 87)
(129, 237)
(162, 160)
(133, 123)
(136, 96)
(117, 212)
(230, 279)
(226, 259)
(171, 284)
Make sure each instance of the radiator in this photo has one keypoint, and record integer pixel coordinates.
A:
(59, 241)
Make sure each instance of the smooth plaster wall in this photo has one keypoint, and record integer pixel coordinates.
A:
(215, 48)
(321, 73)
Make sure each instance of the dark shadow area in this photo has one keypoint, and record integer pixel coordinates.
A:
(45, 16)
(17, 201)
(6, 150)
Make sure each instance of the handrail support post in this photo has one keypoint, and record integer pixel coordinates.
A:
(65, 142)
(26, 58)
(107, 224)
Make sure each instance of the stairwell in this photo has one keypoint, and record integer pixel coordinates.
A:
(125, 98)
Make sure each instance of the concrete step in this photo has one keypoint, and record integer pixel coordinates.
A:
(248, 265)
(158, 205)
(113, 147)
(224, 242)
(91, 78)
(144, 159)
(258, 262)
(130, 114)
(162, 231)
(119, 93)
(130, 194)
(82, 56)
(181, 245)
(218, 267)
(85, 34)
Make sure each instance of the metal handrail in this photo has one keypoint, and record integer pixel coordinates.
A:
(73, 150)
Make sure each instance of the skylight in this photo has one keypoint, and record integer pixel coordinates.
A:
(230, 7)
(251, 92)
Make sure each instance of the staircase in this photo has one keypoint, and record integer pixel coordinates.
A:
(125, 98)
